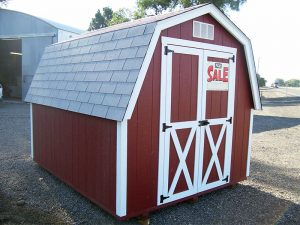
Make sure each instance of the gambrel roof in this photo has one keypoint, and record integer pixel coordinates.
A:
(100, 73)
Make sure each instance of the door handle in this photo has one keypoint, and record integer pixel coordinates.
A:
(203, 123)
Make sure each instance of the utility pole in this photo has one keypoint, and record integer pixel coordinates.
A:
(258, 62)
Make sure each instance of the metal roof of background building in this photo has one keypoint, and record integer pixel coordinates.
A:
(64, 27)
(50, 22)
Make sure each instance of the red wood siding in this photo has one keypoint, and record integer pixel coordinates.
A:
(143, 127)
(80, 150)
(184, 87)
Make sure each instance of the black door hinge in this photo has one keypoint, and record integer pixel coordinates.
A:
(229, 120)
(225, 179)
(162, 198)
(232, 58)
(165, 126)
(203, 123)
(167, 50)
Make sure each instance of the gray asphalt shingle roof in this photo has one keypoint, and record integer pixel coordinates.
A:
(92, 74)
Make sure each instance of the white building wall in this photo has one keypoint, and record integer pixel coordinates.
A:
(65, 35)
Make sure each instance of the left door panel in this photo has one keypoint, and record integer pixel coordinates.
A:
(180, 113)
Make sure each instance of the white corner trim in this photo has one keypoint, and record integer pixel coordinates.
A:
(31, 132)
(172, 21)
(142, 75)
(253, 79)
(121, 169)
(249, 143)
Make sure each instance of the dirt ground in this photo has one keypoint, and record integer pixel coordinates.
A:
(271, 195)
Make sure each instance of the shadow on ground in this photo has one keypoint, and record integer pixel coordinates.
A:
(281, 101)
(276, 177)
(240, 205)
(267, 123)
(243, 204)
(12, 213)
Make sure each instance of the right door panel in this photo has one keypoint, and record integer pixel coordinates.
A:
(217, 116)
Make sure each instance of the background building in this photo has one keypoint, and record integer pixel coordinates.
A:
(23, 38)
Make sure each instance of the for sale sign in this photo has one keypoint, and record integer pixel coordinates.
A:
(217, 76)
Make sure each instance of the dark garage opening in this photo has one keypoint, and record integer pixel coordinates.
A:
(11, 67)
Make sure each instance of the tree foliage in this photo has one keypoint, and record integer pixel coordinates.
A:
(101, 20)
(292, 83)
(108, 18)
(261, 81)
(147, 7)
(120, 16)
(158, 6)
(3, 2)
(279, 82)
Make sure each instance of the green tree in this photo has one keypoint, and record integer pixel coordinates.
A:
(158, 6)
(261, 81)
(3, 2)
(292, 83)
(279, 82)
(139, 13)
(120, 16)
(101, 20)
(221, 4)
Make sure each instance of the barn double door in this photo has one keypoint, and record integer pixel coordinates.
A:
(197, 106)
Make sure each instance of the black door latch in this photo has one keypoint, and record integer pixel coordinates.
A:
(203, 123)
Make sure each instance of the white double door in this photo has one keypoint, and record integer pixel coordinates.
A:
(195, 137)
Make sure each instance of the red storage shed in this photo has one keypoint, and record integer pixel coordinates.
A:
(147, 113)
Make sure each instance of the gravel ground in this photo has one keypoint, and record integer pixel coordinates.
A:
(30, 195)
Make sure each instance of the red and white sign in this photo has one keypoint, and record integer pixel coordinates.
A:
(217, 76)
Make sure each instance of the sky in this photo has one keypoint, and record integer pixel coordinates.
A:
(273, 27)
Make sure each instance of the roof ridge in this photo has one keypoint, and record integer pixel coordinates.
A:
(134, 23)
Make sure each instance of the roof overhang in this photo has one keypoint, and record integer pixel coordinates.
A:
(185, 16)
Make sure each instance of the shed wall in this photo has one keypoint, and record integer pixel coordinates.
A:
(78, 149)
(143, 127)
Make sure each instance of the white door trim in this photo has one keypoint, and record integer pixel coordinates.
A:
(196, 45)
